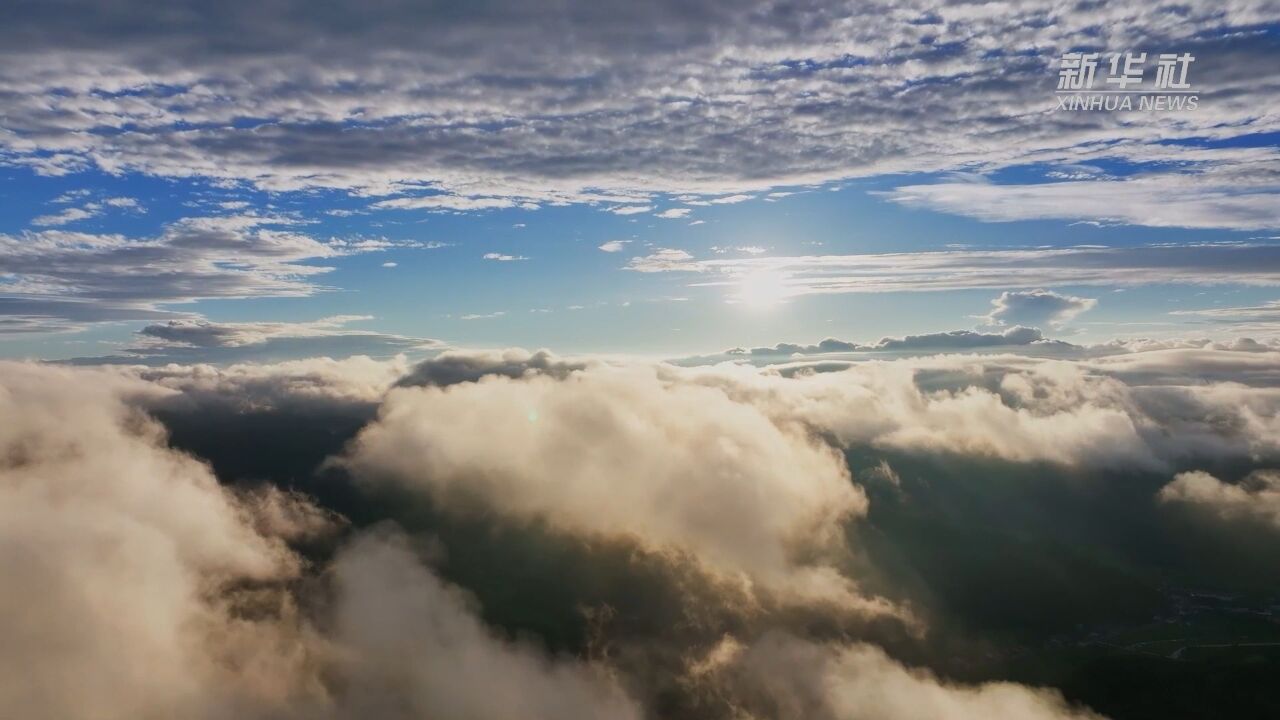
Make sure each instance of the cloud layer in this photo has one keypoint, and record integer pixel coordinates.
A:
(142, 587)
(610, 451)
(521, 103)
(520, 533)
(56, 278)
(1236, 263)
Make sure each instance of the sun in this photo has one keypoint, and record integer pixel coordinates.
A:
(762, 289)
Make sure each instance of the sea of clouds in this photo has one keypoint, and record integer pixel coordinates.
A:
(515, 534)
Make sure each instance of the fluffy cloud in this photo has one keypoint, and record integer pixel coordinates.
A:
(610, 451)
(453, 367)
(657, 524)
(1140, 410)
(1042, 411)
(1256, 498)
(254, 385)
(414, 648)
(121, 556)
(140, 586)
(531, 438)
(674, 213)
(1036, 308)
(810, 680)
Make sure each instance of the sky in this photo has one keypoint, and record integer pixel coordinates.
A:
(264, 181)
(661, 360)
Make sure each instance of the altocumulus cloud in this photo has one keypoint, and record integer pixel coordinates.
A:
(712, 98)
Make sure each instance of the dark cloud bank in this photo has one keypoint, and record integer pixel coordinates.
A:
(513, 534)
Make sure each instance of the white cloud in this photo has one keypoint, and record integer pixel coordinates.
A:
(748, 249)
(528, 106)
(140, 585)
(200, 340)
(174, 592)
(310, 381)
(798, 678)
(118, 556)
(1240, 200)
(674, 213)
(661, 260)
(89, 210)
(458, 366)
(502, 257)
(1145, 409)
(1265, 312)
(445, 202)
(64, 217)
(689, 467)
(82, 277)
(927, 342)
(530, 436)
(1257, 320)
(1036, 308)
(1256, 498)
(413, 644)
(613, 246)
(1239, 263)
(203, 333)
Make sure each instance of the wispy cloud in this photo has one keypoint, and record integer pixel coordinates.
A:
(85, 212)
(102, 277)
(201, 340)
(1232, 263)
(1245, 199)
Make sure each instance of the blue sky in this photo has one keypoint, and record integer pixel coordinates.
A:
(466, 203)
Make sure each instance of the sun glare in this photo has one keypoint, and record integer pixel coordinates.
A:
(762, 289)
